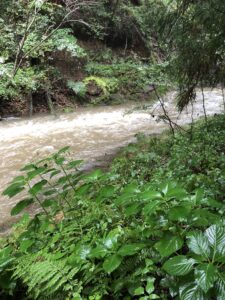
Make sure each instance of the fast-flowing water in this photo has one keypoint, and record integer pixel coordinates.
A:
(92, 134)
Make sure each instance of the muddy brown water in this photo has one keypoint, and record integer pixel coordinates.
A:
(92, 134)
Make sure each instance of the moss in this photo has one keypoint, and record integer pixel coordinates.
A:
(106, 86)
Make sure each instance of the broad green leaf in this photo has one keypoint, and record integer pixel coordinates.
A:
(220, 286)
(199, 195)
(130, 249)
(214, 203)
(149, 195)
(131, 188)
(5, 252)
(168, 245)
(216, 237)
(96, 174)
(205, 276)
(168, 186)
(19, 179)
(5, 261)
(98, 252)
(54, 173)
(124, 199)
(107, 191)
(203, 217)
(25, 244)
(198, 243)
(21, 206)
(73, 164)
(50, 192)
(139, 291)
(28, 167)
(64, 179)
(63, 150)
(36, 188)
(111, 239)
(179, 213)
(192, 292)
(59, 160)
(32, 174)
(150, 285)
(47, 203)
(179, 265)
(112, 263)
(176, 192)
(13, 189)
(151, 207)
(132, 209)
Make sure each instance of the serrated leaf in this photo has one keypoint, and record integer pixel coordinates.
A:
(220, 286)
(191, 292)
(21, 206)
(13, 189)
(36, 172)
(130, 249)
(151, 207)
(47, 203)
(176, 192)
(216, 237)
(112, 263)
(179, 265)
(54, 173)
(73, 164)
(205, 276)
(198, 243)
(179, 213)
(168, 245)
(36, 188)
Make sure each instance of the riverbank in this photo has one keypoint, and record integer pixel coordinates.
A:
(91, 134)
(119, 223)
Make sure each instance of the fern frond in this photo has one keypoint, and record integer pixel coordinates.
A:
(43, 274)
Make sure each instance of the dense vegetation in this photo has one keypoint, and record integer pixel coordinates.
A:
(152, 226)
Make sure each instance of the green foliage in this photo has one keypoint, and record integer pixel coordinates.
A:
(27, 79)
(79, 88)
(106, 86)
(120, 234)
(31, 33)
(195, 30)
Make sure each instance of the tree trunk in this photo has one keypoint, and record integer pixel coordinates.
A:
(30, 104)
(50, 103)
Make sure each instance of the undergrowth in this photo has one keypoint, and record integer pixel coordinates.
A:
(150, 228)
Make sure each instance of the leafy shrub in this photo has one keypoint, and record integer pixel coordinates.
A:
(115, 236)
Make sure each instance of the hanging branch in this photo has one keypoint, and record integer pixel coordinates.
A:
(192, 120)
(203, 104)
(166, 117)
(222, 88)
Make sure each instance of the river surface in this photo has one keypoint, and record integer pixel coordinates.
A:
(92, 134)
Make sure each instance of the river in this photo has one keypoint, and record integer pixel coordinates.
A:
(93, 133)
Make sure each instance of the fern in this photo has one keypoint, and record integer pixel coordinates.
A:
(45, 275)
